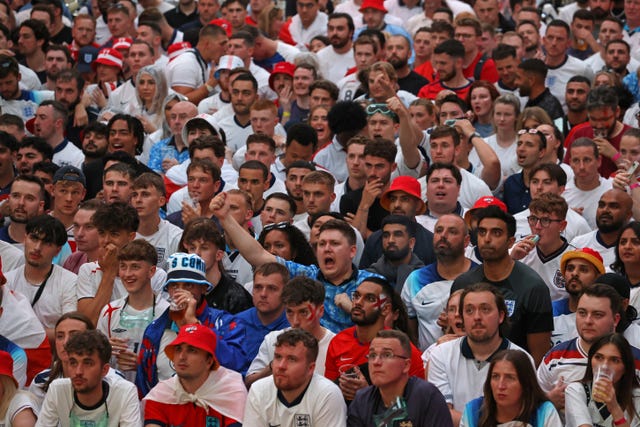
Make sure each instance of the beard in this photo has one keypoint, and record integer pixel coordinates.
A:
(599, 13)
(366, 319)
(609, 227)
(338, 43)
(399, 63)
(396, 254)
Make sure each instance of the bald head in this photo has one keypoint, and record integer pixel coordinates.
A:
(614, 211)
(180, 114)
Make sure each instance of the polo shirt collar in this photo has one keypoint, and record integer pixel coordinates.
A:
(61, 146)
(466, 351)
(352, 278)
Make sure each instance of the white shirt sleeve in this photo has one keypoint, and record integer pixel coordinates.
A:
(576, 406)
(438, 374)
(86, 288)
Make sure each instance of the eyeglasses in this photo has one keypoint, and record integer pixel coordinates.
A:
(532, 130)
(384, 356)
(380, 109)
(276, 226)
(544, 222)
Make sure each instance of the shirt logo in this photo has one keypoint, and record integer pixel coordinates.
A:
(302, 420)
(511, 306)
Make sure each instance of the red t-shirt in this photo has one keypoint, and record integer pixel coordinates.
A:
(426, 70)
(185, 415)
(488, 73)
(346, 349)
(432, 90)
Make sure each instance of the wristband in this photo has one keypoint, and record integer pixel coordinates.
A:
(616, 157)
(209, 87)
(620, 421)
(286, 114)
(634, 185)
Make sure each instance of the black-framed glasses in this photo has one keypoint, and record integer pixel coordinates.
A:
(545, 221)
(532, 130)
(384, 356)
(276, 226)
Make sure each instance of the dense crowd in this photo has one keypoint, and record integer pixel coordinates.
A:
(317, 213)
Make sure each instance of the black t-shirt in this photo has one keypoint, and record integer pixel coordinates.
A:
(412, 83)
(63, 37)
(527, 298)
(350, 202)
(230, 296)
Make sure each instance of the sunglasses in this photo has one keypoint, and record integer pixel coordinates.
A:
(525, 131)
(276, 226)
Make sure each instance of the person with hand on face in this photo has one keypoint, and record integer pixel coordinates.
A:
(295, 393)
(202, 391)
(125, 319)
(98, 282)
(295, 107)
(86, 396)
(187, 285)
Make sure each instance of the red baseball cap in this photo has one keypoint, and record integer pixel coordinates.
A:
(196, 335)
(281, 68)
(484, 202)
(407, 184)
(224, 24)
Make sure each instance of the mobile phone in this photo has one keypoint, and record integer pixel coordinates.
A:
(633, 168)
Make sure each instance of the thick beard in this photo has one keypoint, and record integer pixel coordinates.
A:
(397, 255)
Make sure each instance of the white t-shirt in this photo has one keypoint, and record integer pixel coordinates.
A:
(507, 156)
(69, 155)
(262, 77)
(165, 240)
(557, 78)
(549, 270)
(348, 86)
(588, 200)
(12, 257)
(21, 400)
(121, 407)
(57, 298)
(18, 322)
(288, 52)
(321, 404)
(596, 63)
(212, 104)
(90, 274)
(123, 99)
(580, 412)
(236, 134)
(333, 65)
(460, 379)
(238, 268)
(267, 350)
(590, 240)
(186, 70)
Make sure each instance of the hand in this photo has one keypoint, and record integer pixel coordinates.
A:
(80, 116)
(127, 360)
(523, 247)
(605, 148)
(385, 85)
(212, 81)
(443, 320)
(343, 301)
(348, 217)
(395, 104)
(168, 163)
(146, 125)
(604, 391)
(349, 386)
(219, 207)
(446, 338)
(108, 261)
(185, 298)
(621, 181)
(556, 395)
(582, 34)
(98, 97)
(466, 128)
(189, 212)
(284, 96)
(372, 189)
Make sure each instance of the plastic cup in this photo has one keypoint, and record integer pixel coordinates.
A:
(348, 370)
(601, 372)
(176, 311)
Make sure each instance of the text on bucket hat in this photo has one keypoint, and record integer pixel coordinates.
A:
(587, 254)
(406, 184)
(198, 336)
(189, 268)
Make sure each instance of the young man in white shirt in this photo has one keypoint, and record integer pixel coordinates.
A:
(86, 398)
(147, 197)
(125, 319)
(50, 288)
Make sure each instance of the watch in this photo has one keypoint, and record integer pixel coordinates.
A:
(474, 135)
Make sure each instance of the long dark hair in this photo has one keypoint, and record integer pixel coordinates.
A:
(532, 394)
(301, 251)
(624, 387)
(618, 265)
(56, 365)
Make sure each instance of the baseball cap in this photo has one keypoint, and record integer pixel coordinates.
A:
(281, 68)
(373, 4)
(86, 56)
(70, 173)
(484, 202)
(223, 23)
(407, 184)
(620, 283)
(590, 255)
(6, 366)
(228, 62)
(189, 268)
(122, 43)
(196, 335)
(108, 56)
(177, 49)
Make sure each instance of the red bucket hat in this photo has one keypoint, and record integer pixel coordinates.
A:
(281, 68)
(373, 4)
(407, 184)
(198, 336)
(108, 56)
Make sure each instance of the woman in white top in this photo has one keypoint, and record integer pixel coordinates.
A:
(606, 399)
(151, 91)
(17, 408)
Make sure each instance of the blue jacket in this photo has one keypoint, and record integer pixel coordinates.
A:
(229, 348)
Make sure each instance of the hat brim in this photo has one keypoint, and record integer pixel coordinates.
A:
(384, 201)
(580, 255)
(169, 350)
(94, 64)
(185, 279)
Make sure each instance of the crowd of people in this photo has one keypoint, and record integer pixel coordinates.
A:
(355, 213)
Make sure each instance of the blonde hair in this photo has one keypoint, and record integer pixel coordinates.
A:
(9, 386)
